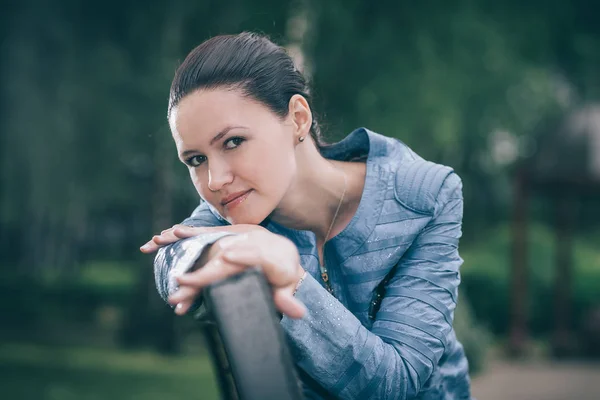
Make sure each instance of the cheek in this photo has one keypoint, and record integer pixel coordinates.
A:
(274, 173)
(200, 181)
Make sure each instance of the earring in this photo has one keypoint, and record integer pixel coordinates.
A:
(301, 139)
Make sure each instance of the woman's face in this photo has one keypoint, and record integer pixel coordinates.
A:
(240, 154)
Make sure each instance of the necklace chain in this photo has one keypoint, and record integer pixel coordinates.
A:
(324, 273)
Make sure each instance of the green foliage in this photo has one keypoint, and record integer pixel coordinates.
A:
(53, 299)
(63, 373)
(100, 275)
(85, 148)
(486, 278)
(85, 91)
(445, 81)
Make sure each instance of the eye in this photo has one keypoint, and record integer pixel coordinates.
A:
(195, 161)
(233, 142)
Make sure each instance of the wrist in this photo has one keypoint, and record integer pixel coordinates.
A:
(301, 276)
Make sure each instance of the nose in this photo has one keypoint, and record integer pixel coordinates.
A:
(219, 175)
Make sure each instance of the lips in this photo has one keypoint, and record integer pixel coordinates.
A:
(234, 197)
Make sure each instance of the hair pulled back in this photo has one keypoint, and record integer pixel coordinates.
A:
(250, 63)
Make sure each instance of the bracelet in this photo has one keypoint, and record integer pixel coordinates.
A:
(299, 283)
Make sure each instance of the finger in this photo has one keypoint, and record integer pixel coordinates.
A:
(149, 247)
(288, 304)
(279, 267)
(184, 293)
(157, 242)
(183, 307)
(214, 271)
(168, 235)
(171, 235)
(171, 229)
(165, 238)
(184, 231)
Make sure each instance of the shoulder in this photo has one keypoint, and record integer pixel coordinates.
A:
(418, 185)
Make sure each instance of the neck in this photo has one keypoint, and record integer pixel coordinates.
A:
(314, 196)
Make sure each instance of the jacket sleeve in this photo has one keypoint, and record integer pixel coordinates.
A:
(177, 258)
(400, 352)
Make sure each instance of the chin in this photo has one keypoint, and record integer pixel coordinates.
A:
(253, 211)
(250, 218)
(243, 221)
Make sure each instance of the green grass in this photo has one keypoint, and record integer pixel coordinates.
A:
(487, 270)
(30, 371)
(108, 274)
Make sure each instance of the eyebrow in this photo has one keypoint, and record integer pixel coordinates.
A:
(217, 137)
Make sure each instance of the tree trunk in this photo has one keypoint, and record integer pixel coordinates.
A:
(519, 276)
(562, 340)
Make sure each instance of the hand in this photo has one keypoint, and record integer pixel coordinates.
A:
(276, 255)
(178, 232)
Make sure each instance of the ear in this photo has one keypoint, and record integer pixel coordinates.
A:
(301, 116)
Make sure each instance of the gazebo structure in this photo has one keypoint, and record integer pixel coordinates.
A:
(565, 168)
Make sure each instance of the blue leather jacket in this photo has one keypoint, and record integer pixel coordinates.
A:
(405, 234)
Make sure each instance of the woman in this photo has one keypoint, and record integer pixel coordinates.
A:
(331, 225)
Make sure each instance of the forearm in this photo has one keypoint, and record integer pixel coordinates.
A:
(336, 350)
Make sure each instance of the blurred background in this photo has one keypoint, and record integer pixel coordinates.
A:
(506, 92)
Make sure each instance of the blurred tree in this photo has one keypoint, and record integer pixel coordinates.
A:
(86, 168)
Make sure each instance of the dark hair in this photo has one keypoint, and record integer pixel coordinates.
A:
(249, 62)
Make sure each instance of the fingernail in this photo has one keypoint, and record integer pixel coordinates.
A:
(179, 306)
(145, 247)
